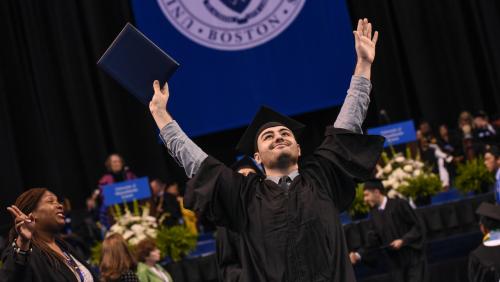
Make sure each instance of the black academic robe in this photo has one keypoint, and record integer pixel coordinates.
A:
(484, 264)
(228, 255)
(292, 234)
(36, 267)
(398, 221)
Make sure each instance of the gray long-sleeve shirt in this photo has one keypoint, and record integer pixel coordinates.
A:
(189, 156)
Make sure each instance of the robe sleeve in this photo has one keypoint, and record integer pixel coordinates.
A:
(14, 266)
(475, 272)
(220, 194)
(415, 237)
(343, 159)
(371, 250)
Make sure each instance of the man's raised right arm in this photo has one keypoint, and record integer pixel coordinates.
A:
(180, 147)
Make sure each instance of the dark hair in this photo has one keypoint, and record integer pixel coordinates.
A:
(159, 181)
(27, 202)
(489, 223)
(373, 185)
(144, 249)
(116, 258)
(493, 150)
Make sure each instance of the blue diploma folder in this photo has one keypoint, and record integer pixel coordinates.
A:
(135, 62)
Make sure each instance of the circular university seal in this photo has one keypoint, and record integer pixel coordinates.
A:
(231, 24)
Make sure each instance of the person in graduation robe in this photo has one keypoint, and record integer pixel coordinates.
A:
(484, 262)
(288, 222)
(397, 232)
(492, 163)
(228, 242)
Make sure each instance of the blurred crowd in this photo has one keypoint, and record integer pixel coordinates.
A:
(448, 146)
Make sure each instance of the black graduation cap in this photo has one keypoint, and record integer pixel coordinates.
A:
(265, 118)
(246, 162)
(489, 210)
(374, 184)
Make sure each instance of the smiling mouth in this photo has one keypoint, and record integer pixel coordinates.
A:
(60, 214)
(279, 146)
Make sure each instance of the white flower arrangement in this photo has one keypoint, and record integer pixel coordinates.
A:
(175, 242)
(134, 227)
(396, 173)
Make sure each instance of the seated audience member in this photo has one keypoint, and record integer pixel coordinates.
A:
(148, 269)
(157, 200)
(425, 131)
(36, 251)
(67, 214)
(164, 201)
(483, 132)
(116, 171)
(465, 126)
(81, 247)
(432, 155)
(484, 262)
(117, 262)
(85, 225)
(450, 144)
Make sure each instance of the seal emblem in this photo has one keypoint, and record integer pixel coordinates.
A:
(231, 24)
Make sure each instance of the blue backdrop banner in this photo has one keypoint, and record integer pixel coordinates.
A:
(126, 191)
(295, 56)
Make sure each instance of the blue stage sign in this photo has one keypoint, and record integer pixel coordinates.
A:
(396, 133)
(126, 191)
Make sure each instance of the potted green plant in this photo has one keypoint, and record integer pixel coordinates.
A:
(473, 176)
(176, 242)
(358, 209)
(421, 188)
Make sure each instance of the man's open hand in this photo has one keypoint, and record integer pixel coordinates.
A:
(158, 105)
(364, 42)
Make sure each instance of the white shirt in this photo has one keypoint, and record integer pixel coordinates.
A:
(384, 203)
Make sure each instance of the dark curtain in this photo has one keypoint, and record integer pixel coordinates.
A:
(59, 115)
(434, 58)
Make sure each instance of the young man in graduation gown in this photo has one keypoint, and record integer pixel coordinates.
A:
(227, 241)
(484, 262)
(398, 232)
(288, 222)
(492, 163)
